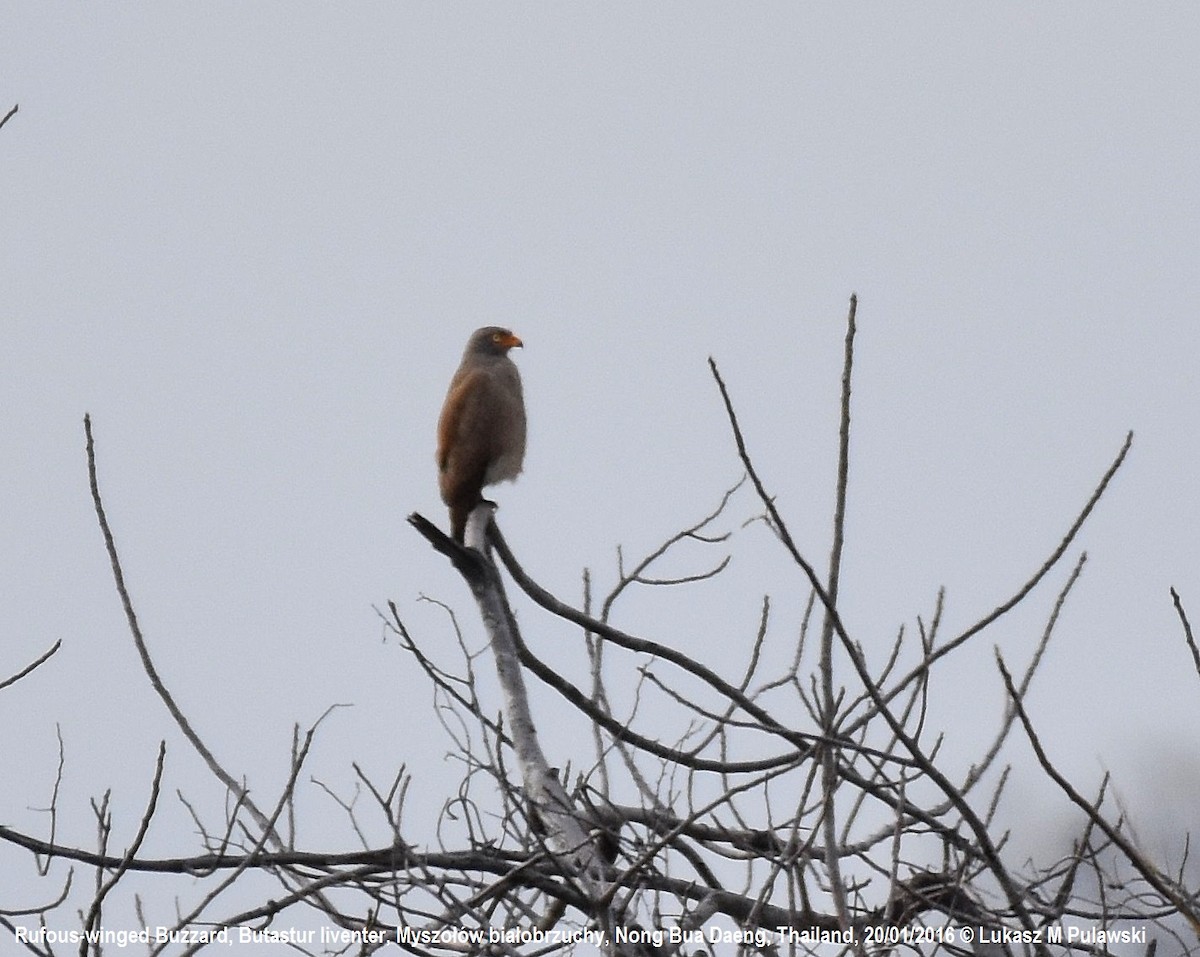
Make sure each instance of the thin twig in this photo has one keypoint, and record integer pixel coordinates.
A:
(1002, 609)
(239, 789)
(828, 709)
(46, 656)
(544, 598)
(1149, 872)
(140, 642)
(93, 914)
(1187, 629)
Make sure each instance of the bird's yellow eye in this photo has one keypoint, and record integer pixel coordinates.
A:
(496, 337)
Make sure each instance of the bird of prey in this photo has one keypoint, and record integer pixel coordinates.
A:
(481, 432)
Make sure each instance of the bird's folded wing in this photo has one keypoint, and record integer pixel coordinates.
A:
(467, 428)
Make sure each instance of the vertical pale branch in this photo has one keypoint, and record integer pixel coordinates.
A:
(595, 652)
(839, 512)
(566, 834)
(829, 755)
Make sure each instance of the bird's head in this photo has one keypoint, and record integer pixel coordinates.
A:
(492, 341)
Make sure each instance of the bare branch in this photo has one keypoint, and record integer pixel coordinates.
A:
(681, 810)
(1156, 879)
(1187, 629)
(45, 656)
(828, 707)
(1033, 582)
(140, 642)
(91, 921)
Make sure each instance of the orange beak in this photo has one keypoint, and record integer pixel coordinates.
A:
(511, 342)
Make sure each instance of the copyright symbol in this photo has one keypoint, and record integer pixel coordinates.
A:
(966, 934)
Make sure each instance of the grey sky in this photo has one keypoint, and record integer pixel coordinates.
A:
(251, 240)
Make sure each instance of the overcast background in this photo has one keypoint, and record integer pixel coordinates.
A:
(251, 240)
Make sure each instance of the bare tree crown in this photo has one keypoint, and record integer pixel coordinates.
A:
(784, 800)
